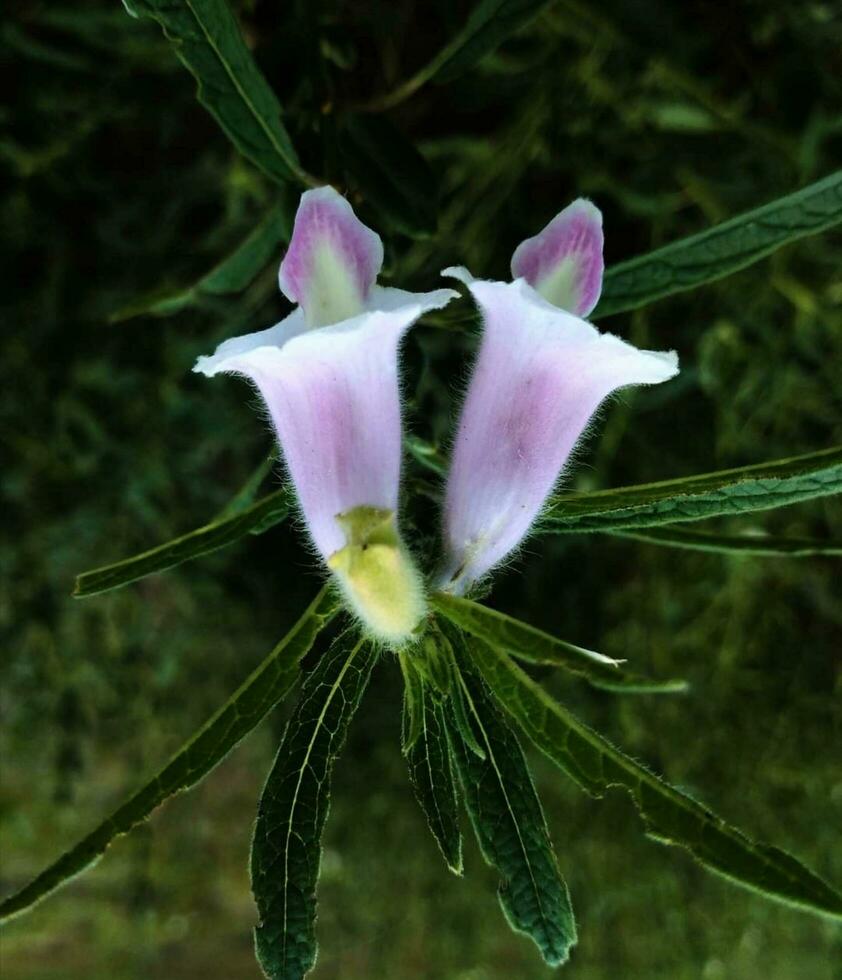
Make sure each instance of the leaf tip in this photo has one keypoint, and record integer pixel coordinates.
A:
(456, 867)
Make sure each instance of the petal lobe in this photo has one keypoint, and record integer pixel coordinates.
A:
(563, 262)
(332, 261)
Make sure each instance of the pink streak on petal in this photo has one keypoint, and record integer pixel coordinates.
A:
(540, 375)
(325, 219)
(573, 236)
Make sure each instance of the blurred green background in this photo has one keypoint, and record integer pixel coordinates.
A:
(119, 185)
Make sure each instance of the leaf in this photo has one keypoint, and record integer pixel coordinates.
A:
(431, 775)
(266, 686)
(489, 24)
(723, 249)
(511, 830)
(391, 174)
(755, 545)
(234, 521)
(232, 275)
(536, 647)
(449, 669)
(425, 454)
(433, 659)
(738, 491)
(461, 717)
(254, 253)
(259, 517)
(413, 703)
(669, 815)
(286, 850)
(207, 40)
(244, 497)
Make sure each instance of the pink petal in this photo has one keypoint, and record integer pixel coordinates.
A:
(540, 375)
(564, 261)
(332, 261)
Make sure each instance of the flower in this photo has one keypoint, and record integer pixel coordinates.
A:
(540, 374)
(328, 374)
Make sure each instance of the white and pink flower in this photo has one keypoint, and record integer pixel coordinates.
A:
(328, 374)
(540, 374)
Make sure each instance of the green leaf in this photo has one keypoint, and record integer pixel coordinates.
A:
(669, 815)
(431, 775)
(737, 491)
(723, 249)
(266, 686)
(207, 40)
(755, 545)
(256, 519)
(425, 454)
(231, 275)
(413, 702)
(461, 717)
(489, 24)
(286, 850)
(511, 830)
(531, 644)
(244, 497)
(391, 174)
(234, 521)
(433, 658)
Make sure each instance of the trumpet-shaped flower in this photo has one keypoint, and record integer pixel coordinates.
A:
(328, 375)
(540, 374)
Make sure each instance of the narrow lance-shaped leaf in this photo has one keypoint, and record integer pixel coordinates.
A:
(727, 492)
(668, 815)
(238, 518)
(232, 275)
(412, 719)
(428, 758)
(511, 830)
(737, 491)
(749, 545)
(244, 497)
(461, 717)
(533, 645)
(199, 755)
(723, 249)
(487, 26)
(286, 851)
(259, 517)
(207, 39)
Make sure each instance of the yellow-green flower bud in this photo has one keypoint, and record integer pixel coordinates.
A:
(377, 574)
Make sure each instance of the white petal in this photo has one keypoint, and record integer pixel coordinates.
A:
(458, 272)
(235, 347)
(388, 298)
